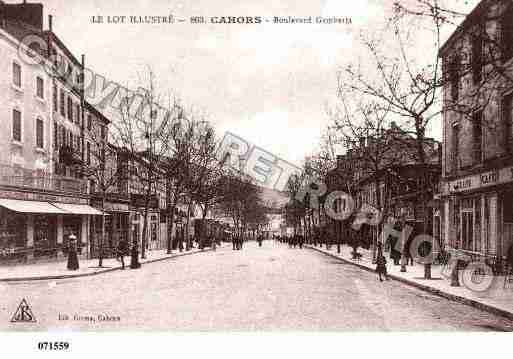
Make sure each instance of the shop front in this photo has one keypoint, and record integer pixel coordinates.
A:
(478, 214)
(13, 234)
(156, 229)
(116, 228)
(45, 235)
(38, 226)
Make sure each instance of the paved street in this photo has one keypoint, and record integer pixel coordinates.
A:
(268, 288)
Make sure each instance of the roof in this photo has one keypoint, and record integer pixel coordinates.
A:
(408, 168)
(96, 112)
(19, 29)
(63, 47)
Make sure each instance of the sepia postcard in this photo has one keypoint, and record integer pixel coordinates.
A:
(242, 167)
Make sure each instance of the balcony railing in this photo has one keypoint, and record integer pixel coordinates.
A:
(23, 178)
(117, 196)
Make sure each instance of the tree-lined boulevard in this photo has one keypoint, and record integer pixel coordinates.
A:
(272, 287)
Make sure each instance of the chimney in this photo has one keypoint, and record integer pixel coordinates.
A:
(82, 78)
(50, 23)
(31, 14)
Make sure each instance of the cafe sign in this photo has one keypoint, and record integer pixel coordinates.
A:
(482, 180)
(111, 206)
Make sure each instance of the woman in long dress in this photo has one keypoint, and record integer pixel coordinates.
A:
(72, 253)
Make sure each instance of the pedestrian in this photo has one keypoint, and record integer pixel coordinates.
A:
(122, 252)
(72, 252)
(180, 243)
(260, 239)
(381, 266)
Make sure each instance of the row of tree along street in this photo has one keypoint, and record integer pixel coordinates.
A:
(418, 76)
(176, 155)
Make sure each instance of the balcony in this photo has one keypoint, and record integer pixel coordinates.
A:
(112, 196)
(33, 179)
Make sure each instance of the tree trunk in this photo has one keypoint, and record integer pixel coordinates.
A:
(187, 234)
(102, 238)
(145, 232)
(170, 226)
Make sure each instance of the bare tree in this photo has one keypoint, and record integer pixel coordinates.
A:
(101, 168)
(295, 209)
(179, 167)
(363, 129)
(403, 84)
(205, 185)
(143, 130)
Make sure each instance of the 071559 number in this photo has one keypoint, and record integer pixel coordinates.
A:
(53, 345)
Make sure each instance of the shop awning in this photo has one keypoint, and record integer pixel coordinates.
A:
(17, 205)
(77, 208)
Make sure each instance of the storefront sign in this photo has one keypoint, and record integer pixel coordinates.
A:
(139, 200)
(30, 196)
(489, 178)
(503, 175)
(111, 206)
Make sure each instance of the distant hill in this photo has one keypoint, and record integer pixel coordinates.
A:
(272, 198)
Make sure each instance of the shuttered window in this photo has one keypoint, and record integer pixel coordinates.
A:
(16, 125)
(16, 74)
(39, 133)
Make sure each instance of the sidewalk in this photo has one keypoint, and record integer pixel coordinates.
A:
(496, 299)
(88, 267)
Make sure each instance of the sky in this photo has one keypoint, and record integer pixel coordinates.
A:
(268, 83)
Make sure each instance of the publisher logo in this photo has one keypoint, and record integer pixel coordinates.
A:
(23, 314)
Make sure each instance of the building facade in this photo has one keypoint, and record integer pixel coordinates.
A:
(476, 210)
(40, 207)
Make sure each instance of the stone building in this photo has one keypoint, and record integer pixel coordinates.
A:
(42, 198)
(477, 168)
(389, 181)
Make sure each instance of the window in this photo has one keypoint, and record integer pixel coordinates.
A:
(79, 144)
(16, 74)
(103, 132)
(70, 109)
(56, 135)
(55, 99)
(63, 111)
(455, 144)
(477, 54)
(507, 34)
(89, 122)
(63, 134)
(39, 133)
(88, 153)
(16, 125)
(40, 87)
(507, 119)
(78, 114)
(454, 78)
(477, 136)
